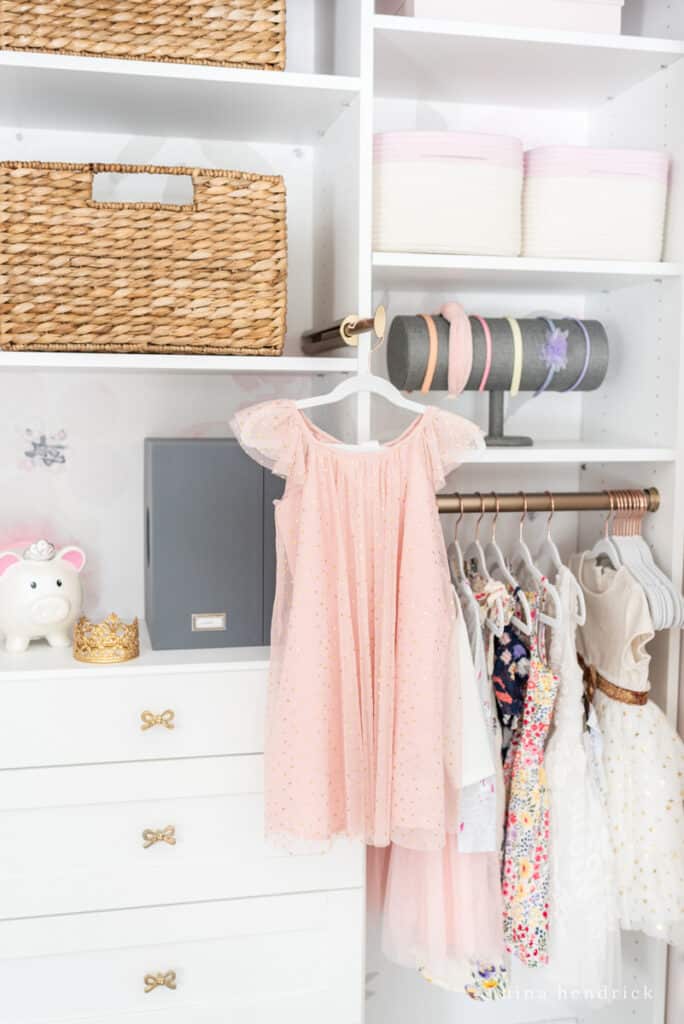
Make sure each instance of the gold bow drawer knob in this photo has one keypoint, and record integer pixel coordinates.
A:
(165, 719)
(153, 981)
(162, 835)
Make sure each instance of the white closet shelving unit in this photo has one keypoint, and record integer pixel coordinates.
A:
(134, 363)
(302, 123)
(350, 73)
(250, 932)
(550, 88)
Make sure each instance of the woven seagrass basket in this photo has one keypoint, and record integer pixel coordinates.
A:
(232, 33)
(77, 275)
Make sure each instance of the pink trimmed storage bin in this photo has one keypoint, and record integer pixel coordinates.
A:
(447, 192)
(604, 204)
(570, 15)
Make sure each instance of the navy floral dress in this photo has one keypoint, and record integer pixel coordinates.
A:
(511, 669)
(510, 673)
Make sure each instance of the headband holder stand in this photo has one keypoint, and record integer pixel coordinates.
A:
(496, 438)
(408, 348)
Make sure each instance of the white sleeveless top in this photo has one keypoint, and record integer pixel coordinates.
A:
(618, 626)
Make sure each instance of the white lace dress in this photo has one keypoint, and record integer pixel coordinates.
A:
(643, 756)
(584, 932)
(481, 804)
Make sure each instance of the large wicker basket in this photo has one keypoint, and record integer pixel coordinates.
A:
(235, 33)
(82, 276)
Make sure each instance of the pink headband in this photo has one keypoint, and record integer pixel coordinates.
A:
(488, 352)
(460, 346)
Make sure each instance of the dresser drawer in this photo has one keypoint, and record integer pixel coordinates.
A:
(93, 716)
(291, 959)
(71, 839)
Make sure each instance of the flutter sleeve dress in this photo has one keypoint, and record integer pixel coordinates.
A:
(362, 625)
(643, 755)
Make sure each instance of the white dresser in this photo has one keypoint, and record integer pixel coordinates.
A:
(135, 883)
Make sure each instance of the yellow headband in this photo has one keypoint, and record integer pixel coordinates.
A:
(517, 355)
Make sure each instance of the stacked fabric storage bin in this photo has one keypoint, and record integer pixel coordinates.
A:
(590, 203)
(448, 192)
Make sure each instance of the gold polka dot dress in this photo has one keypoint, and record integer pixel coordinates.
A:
(643, 756)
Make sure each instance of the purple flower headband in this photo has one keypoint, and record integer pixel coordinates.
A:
(554, 353)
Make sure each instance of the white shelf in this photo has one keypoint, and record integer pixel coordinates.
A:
(420, 270)
(132, 363)
(464, 62)
(39, 90)
(571, 453)
(41, 661)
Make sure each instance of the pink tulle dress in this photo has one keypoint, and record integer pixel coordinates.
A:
(362, 735)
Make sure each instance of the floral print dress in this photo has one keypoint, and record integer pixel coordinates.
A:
(511, 668)
(525, 876)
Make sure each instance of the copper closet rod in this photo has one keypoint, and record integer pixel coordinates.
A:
(578, 501)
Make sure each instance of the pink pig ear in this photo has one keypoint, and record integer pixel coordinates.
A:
(73, 557)
(7, 560)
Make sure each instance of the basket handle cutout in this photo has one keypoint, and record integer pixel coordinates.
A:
(122, 190)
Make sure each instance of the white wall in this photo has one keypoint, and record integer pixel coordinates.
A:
(94, 498)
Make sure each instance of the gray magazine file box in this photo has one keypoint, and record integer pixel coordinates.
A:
(209, 544)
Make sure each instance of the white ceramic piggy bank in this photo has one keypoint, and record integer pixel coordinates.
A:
(40, 595)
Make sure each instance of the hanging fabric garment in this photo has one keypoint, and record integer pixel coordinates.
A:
(525, 876)
(643, 755)
(510, 671)
(362, 623)
(584, 935)
(471, 806)
(441, 910)
(482, 805)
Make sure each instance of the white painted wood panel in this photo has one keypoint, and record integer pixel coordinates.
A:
(41, 90)
(295, 959)
(90, 717)
(71, 840)
(127, 363)
(417, 57)
(509, 274)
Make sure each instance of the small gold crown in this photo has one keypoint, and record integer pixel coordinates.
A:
(106, 643)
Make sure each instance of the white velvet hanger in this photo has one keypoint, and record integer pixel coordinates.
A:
(474, 553)
(496, 562)
(548, 546)
(458, 573)
(604, 547)
(356, 384)
(455, 555)
(664, 601)
(522, 556)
